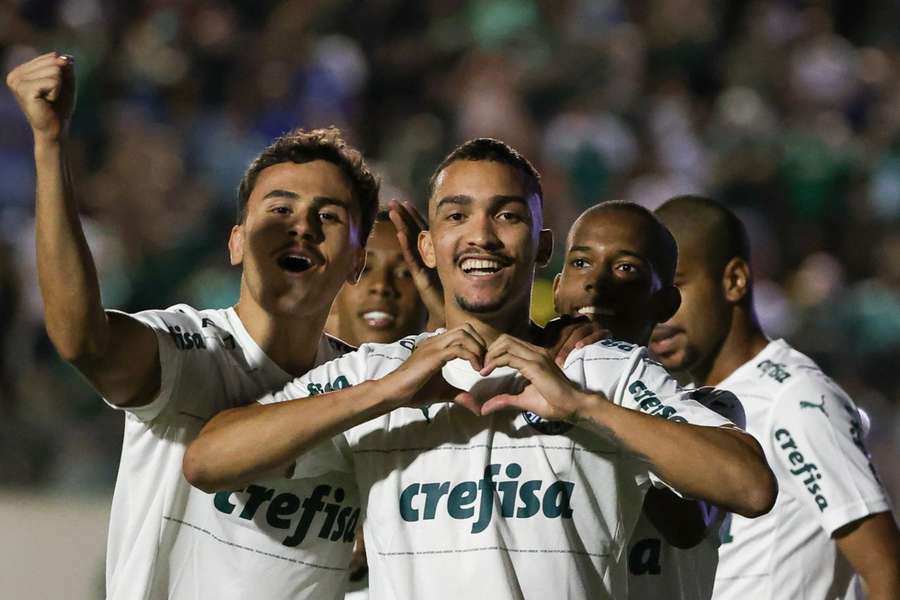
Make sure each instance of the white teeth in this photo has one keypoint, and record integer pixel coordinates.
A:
(377, 315)
(472, 264)
(593, 310)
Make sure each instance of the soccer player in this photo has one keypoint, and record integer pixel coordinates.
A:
(306, 206)
(832, 516)
(465, 498)
(673, 550)
(384, 305)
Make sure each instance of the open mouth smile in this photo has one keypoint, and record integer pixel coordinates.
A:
(596, 311)
(482, 266)
(378, 319)
(293, 263)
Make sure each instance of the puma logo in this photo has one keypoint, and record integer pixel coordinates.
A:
(820, 406)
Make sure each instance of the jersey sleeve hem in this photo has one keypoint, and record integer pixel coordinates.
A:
(169, 370)
(848, 513)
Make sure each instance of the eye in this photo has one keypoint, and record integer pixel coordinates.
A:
(510, 217)
(329, 217)
(403, 273)
(579, 263)
(455, 216)
(280, 209)
(629, 268)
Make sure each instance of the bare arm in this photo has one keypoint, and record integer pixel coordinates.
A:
(718, 464)
(118, 355)
(240, 445)
(722, 465)
(872, 545)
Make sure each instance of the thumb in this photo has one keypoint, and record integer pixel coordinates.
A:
(468, 401)
(500, 402)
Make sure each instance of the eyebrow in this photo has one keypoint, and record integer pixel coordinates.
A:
(459, 200)
(320, 200)
(588, 249)
(463, 200)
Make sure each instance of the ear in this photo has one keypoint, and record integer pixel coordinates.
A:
(545, 247)
(359, 265)
(426, 249)
(556, 293)
(736, 280)
(236, 245)
(665, 303)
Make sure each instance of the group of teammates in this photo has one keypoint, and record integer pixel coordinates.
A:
(479, 461)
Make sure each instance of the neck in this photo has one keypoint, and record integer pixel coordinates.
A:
(491, 326)
(745, 340)
(290, 342)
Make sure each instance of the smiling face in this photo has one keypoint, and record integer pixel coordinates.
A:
(384, 305)
(484, 237)
(299, 241)
(609, 274)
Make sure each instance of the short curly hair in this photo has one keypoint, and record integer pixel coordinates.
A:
(302, 146)
(492, 150)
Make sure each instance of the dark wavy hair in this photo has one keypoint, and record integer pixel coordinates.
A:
(302, 146)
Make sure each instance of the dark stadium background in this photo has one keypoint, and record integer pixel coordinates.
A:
(788, 111)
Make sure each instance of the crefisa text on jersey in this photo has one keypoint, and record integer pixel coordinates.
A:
(786, 440)
(339, 522)
(464, 496)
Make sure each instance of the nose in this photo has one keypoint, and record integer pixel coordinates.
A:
(306, 226)
(483, 233)
(381, 284)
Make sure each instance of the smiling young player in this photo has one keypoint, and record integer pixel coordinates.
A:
(832, 516)
(384, 305)
(474, 499)
(610, 250)
(306, 206)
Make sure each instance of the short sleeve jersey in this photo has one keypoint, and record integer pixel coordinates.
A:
(502, 506)
(272, 539)
(812, 436)
(656, 569)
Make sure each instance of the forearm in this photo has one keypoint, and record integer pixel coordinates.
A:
(719, 465)
(67, 276)
(872, 546)
(239, 445)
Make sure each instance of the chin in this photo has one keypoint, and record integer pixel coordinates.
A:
(480, 306)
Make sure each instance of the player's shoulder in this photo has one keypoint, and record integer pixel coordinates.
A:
(337, 346)
(797, 373)
(608, 350)
(809, 394)
(378, 359)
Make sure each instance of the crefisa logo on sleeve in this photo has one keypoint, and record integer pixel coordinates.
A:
(545, 426)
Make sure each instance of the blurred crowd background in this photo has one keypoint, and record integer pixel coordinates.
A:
(788, 111)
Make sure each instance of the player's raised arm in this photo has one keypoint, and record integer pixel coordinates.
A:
(722, 465)
(242, 444)
(118, 355)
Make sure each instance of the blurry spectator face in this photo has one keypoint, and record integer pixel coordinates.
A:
(384, 305)
(299, 242)
(702, 322)
(484, 237)
(609, 275)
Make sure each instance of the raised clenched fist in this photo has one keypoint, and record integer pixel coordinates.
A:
(44, 87)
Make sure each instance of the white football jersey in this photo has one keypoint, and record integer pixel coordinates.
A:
(812, 436)
(271, 539)
(656, 569)
(505, 506)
